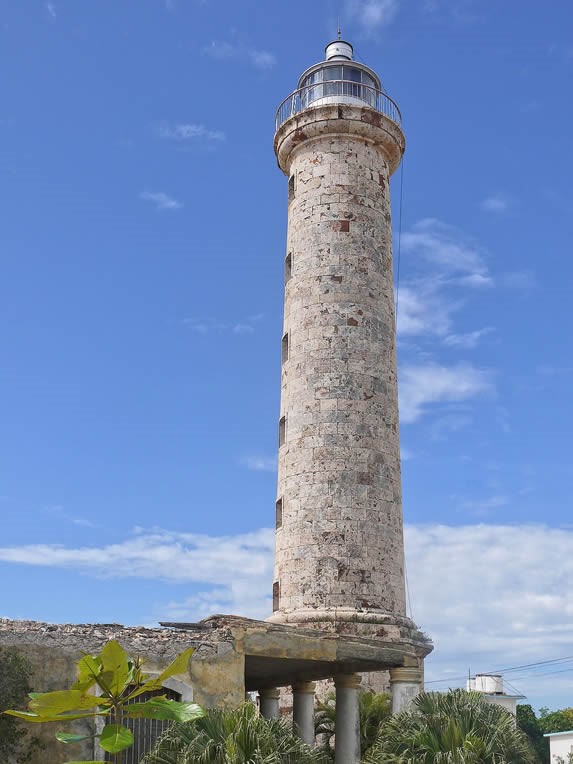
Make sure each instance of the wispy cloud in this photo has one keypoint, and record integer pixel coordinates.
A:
(260, 463)
(468, 340)
(455, 256)
(51, 8)
(222, 50)
(182, 132)
(452, 422)
(461, 11)
(57, 510)
(496, 203)
(161, 200)
(522, 280)
(205, 325)
(424, 309)
(262, 59)
(424, 385)
(483, 506)
(372, 14)
(489, 595)
(493, 596)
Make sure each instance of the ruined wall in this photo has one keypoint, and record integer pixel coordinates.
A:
(53, 650)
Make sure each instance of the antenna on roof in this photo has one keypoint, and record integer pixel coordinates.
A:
(339, 30)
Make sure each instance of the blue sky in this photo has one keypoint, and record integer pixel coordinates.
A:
(142, 251)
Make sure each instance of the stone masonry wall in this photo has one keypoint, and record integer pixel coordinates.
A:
(340, 543)
(53, 650)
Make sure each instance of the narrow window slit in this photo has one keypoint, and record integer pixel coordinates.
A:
(284, 348)
(291, 188)
(276, 595)
(279, 513)
(288, 267)
(282, 431)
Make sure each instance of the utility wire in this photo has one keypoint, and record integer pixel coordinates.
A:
(565, 659)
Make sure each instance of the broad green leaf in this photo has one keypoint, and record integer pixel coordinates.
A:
(165, 710)
(178, 666)
(115, 738)
(30, 717)
(68, 737)
(115, 664)
(53, 703)
(88, 669)
(35, 695)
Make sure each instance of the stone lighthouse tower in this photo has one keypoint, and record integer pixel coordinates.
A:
(339, 562)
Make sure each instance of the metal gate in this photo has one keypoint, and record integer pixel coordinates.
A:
(145, 731)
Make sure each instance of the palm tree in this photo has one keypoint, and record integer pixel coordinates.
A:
(456, 727)
(238, 736)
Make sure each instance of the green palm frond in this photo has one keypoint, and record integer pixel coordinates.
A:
(237, 736)
(456, 727)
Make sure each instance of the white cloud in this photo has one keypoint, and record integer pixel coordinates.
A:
(161, 200)
(260, 463)
(160, 554)
(469, 340)
(461, 11)
(425, 384)
(493, 596)
(482, 506)
(206, 325)
(497, 203)
(490, 596)
(188, 131)
(423, 309)
(51, 8)
(262, 59)
(222, 50)
(451, 422)
(449, 251)
(372, 14)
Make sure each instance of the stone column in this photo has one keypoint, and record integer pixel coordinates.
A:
(347, 730)
(269, 703)
(405, 682)
(303, 710)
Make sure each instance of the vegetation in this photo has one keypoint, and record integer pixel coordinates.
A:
(118, 681)
(15, 673)
(529, 723)
(239, 736)
(535, 727)
(456, 727)
(374, 709)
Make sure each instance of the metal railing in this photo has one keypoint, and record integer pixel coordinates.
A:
(337, 91)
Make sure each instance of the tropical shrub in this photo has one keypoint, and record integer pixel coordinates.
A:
(15, 673)
(456, 727)
(238, 736)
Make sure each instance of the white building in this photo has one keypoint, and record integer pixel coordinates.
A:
(560, 745)
(491, 687)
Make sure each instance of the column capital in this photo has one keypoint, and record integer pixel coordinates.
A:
(407, 674)
(351, 681)
(304, 687)
(272, 693)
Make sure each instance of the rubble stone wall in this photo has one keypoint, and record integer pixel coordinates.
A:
(53, 651)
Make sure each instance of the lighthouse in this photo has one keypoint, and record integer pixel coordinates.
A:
(339, 559)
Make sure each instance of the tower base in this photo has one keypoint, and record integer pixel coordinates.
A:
(370, 624)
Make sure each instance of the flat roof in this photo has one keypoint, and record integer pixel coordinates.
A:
(554, 734)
